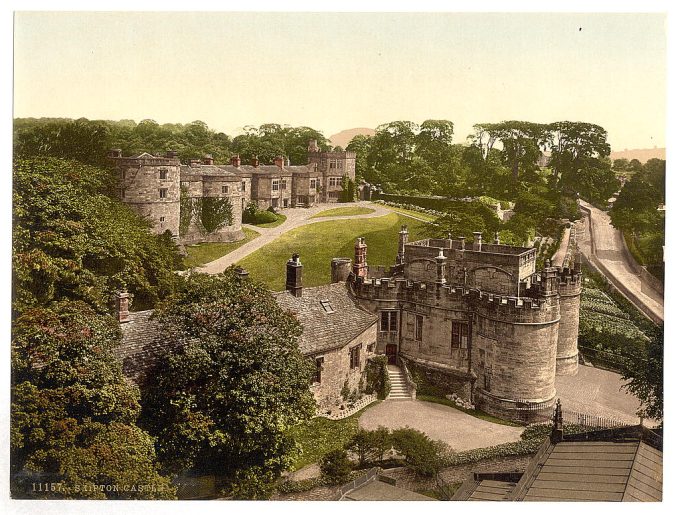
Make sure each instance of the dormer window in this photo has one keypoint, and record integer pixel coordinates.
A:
(326, 305)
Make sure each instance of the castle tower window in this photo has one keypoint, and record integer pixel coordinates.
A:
(163, 174)
(354, 356)
(459, 335)
(225, 189)
(388, 321)
(243, 185)
(162, 219)
(419, 328)
(319, 368)
(163, 193)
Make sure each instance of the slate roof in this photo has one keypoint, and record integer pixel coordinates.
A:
(324, 331)
(484, 490)
(141, 345)
(621, 464)
(212, 170)
(378, 491)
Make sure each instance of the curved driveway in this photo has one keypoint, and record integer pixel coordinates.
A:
(458, 429)
(294, 218)
(609, 250)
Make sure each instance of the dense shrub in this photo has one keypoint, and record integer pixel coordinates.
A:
(424, 455)
(336, 466)
(253, 215)
(370, 445)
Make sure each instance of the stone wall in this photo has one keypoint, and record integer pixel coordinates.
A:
(432, 379)
(336, 371)
(141, 186)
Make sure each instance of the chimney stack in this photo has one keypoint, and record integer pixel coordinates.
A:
(497, 239)
(340, 269)
(312, 147)
(115, 153)
(360, 267)
(208, 159)
(441, 265)
(278, 161)
(171, 154)
(122, 300)
(236, 161)
(403, 240)
(477, 244)
(256, 162)
(461, 242)
(294, 276)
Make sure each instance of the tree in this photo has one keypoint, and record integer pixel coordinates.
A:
(422, 454)
(575, 144)
(73, 414)
(336, 466)
(223, 401)
(643, 369)
(361, 145)
(71, 240)
(620, 164)
(522, 144)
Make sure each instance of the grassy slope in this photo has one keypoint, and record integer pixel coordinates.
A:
(318, 243)
(321, 435)
(418, 214)
(345, 211)
(206, 252)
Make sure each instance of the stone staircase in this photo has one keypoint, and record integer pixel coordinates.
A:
(399, 389)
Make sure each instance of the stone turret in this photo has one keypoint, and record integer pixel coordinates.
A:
(569, 289)
(340, 269)
(441, 267)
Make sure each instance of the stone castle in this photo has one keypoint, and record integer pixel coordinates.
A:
(475, 319)
(154, 187)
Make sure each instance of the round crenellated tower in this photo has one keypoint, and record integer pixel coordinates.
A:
(514, 353)
(150, 185)
(569, 288)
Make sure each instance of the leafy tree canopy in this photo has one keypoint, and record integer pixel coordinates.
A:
(71, 240)
(224, 401)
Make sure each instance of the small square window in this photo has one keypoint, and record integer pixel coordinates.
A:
(225, 189)
(163, 174)
(162, 219)
(163, 192)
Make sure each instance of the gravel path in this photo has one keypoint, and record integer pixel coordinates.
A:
(294, 218)
(458, 429)
(610, 252)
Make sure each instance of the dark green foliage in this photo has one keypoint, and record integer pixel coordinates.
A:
(349, 190)
(215, 213)
(71, 240)
(254, 215)
(186, 211)
(643, 369)
(223, 402)
(370, 446)
(73, 414)
(377, 376)
(424, 455)
(336, 466)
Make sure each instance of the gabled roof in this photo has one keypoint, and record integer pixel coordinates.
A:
(141, 345)
(324, 330)
(621, 464)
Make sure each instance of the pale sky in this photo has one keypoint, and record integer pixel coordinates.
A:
(334, 71)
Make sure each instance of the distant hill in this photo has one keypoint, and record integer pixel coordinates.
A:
(344, 137)
(641, 154)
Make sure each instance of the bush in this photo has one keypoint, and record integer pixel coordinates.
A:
(336, 466)
(265, 217)
(424, 455)
(370, 445)
(271, 209)
(377, 377)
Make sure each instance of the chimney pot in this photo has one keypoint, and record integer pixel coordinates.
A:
(123, 299)
(256, 162)
(294, 276)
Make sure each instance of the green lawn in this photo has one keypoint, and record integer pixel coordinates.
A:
(318, 243)
(321, 435)
(281, 219)
(206, 252)
(422, 216)
(345, 211)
